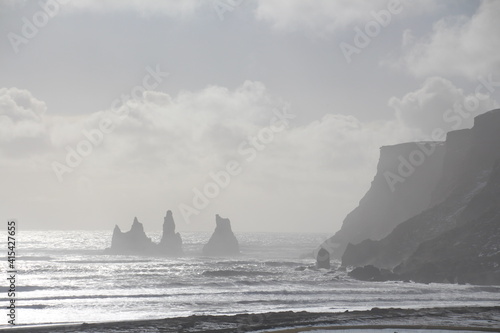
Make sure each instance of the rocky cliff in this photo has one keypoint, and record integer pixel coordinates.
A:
(171, 242)
(469, 253)
(223, 242)
(457, 238)
(403, 186)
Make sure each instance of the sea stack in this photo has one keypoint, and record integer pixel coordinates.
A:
(134, 241)
(223, 242)
(323, 258)
(171, 242)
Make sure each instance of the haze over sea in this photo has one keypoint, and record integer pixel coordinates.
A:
(65, 277)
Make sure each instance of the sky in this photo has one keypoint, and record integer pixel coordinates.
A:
(268, 112)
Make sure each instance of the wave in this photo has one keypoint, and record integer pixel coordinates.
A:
(489, 289)
(33, 306)
(122, 261)
(283, 264)
(30, 258)
(228, 273)
(235, 262)
(3, 290)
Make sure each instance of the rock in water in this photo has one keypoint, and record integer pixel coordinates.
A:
(223, 242)
(134, 241)
(323, 258)
(171, 242)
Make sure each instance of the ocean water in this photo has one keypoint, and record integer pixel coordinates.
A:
(63, 276)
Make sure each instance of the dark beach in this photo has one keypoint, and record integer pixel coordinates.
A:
(481, 319)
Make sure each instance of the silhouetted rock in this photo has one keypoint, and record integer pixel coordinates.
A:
(366, 273)
(223, 242)
(390, 201)
(372, 273)
(457, 239)
(469, 253)
(134, 241)
(171, 242)
(323, 259)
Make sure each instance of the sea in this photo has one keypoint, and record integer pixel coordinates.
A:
(65, 277)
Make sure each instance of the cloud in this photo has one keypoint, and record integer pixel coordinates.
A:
(21, 121)
(465, 46)
(439, 104)
(163, 146)
(325, 16)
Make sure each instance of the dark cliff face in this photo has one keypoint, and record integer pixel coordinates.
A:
(458, 147)
(469, 253)
(402, 188)
(171, 242)
(223, 242)
(445, 242)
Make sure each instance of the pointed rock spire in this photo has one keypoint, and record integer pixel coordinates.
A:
(133, 241)
(223, 242)
(171, 242)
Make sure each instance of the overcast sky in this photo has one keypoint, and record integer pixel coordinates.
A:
(284, 102)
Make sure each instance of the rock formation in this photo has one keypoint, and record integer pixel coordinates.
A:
(134, 241)
(469, 253)
(372, 273)
(457, 238)
(323, 258)
(390, 201)
(171, 242)
(223, 242)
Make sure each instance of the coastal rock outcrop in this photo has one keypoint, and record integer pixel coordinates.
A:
(469, 253)
(171, 242)
(223, 242)
(323, 259)
(133, 241)
(402, 187)
(457, 238)
(372, 273)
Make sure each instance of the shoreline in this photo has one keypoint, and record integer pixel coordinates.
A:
(481, 319)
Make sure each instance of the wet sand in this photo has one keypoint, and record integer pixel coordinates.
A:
(481, 319)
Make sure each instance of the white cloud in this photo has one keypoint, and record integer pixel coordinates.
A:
(167, 145)
(21, 116)
(326, 16)
(309, 176)
(439, 104)
(466, 46)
